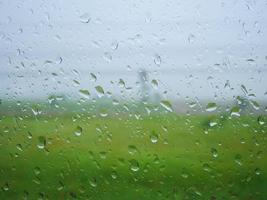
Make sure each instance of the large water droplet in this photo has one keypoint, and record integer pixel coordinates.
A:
(213, 123)
(235, 111)
(211, 107)
(85, 93)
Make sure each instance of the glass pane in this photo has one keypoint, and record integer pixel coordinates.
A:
(133, 99)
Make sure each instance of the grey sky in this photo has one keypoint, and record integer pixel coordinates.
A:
(202, 45)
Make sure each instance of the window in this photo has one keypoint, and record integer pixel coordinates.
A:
(133, 99)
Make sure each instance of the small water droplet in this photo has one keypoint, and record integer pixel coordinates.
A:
(206, 167)
(261, 120)
(214, 152)
(78, 131)
(154, 83)
(121, 83)
(167, 105)
(5, 187)
(132, 149)
(134, 165)
(41, 143)
(244, 89)
(157, 59)
(257, 171)
(114, 174)
(238, 159)
(93, 77)
(192, 104)
(154, 137)
(93, 182)
(114, 45)
(85, 18)
(107, 56)
(37, 170)
(19, 147)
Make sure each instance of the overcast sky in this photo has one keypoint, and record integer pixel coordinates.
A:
(192, 48)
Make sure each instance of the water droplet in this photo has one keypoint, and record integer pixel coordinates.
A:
(154, 83)
(36, 111)
(61, 186)
(244, 89)
(107, 56)
(157, 59)
(93, 77)
(250, 60)
(235, 111)
(19, 147)
(114, 45)
(93, 182)
(5, 187)
(167, 105)
(257, 171)
(121, 83)
(238, 158)
(37, 170)
(76, 83)
(85, 93)
(134, 165)
(211, 107)
(103, 155)
(191, 38)
(184, 175)
(132, 149)
(41, 142)
(261, 120)
(154, 137)
(214, 152)
(114, 174)
(192, 104)
(206, 167)
(255, 104)
(85, 18)
(78, 131)
(212, 123)
(29, 135)
(100, 91)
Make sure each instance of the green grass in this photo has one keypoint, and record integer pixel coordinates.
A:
(190, 159)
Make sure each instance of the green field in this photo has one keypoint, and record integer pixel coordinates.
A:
(163, 156)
